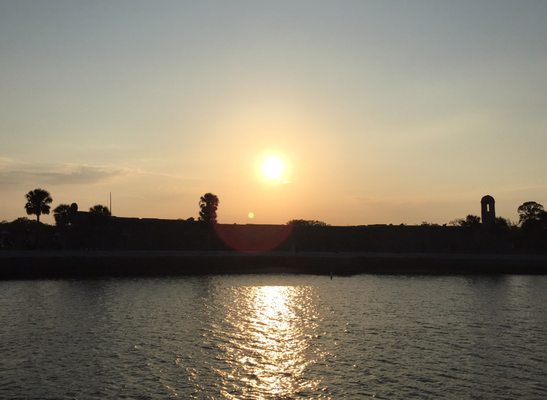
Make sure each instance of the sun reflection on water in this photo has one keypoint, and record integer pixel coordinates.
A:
(267, 343)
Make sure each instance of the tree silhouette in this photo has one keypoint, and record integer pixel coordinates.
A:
(38, 201)
(208, 204)
(99, 214)
(471, 221)
(99, 210)
(62, 214)
(530, 212)
(306, 222)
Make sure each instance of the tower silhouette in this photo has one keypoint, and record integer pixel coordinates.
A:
(488, 210)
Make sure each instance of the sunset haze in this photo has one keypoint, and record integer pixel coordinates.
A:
(378, 111)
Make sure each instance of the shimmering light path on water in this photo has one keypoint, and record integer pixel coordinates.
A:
(390, 337)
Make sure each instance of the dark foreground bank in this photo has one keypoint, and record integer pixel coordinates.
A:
(67, 264)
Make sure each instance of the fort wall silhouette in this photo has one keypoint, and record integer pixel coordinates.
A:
(153, 247)
(102, 245)
(119, 233)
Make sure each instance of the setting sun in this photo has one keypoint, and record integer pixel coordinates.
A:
(273, 168)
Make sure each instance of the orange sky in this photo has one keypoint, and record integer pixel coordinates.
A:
(384, 112)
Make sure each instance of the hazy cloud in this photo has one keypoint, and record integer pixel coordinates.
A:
(13, 172)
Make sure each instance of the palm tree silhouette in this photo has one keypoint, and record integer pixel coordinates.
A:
(38, 201)
(208, 204)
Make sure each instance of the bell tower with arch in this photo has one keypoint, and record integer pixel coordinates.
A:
(488, 210)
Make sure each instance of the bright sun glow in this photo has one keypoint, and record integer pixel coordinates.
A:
(273, 168)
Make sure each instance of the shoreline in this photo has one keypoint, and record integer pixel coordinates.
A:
(83, 264)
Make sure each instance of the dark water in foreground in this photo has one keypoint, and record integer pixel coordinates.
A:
(388, 337)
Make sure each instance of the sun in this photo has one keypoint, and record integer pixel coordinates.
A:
(273, 168)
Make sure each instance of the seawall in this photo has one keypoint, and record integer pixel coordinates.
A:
(77, 264)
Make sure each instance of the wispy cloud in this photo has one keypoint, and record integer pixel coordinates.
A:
(14, 172)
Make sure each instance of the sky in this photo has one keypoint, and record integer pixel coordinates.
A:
(381, 111)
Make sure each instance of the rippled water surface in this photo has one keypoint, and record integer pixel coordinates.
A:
(387, 337)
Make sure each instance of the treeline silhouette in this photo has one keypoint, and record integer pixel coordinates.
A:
(97, 229)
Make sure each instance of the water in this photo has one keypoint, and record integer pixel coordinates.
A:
(275, 337)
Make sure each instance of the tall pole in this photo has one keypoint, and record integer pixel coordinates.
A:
(110, 203)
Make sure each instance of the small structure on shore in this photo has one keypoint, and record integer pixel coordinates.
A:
(488, 210)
